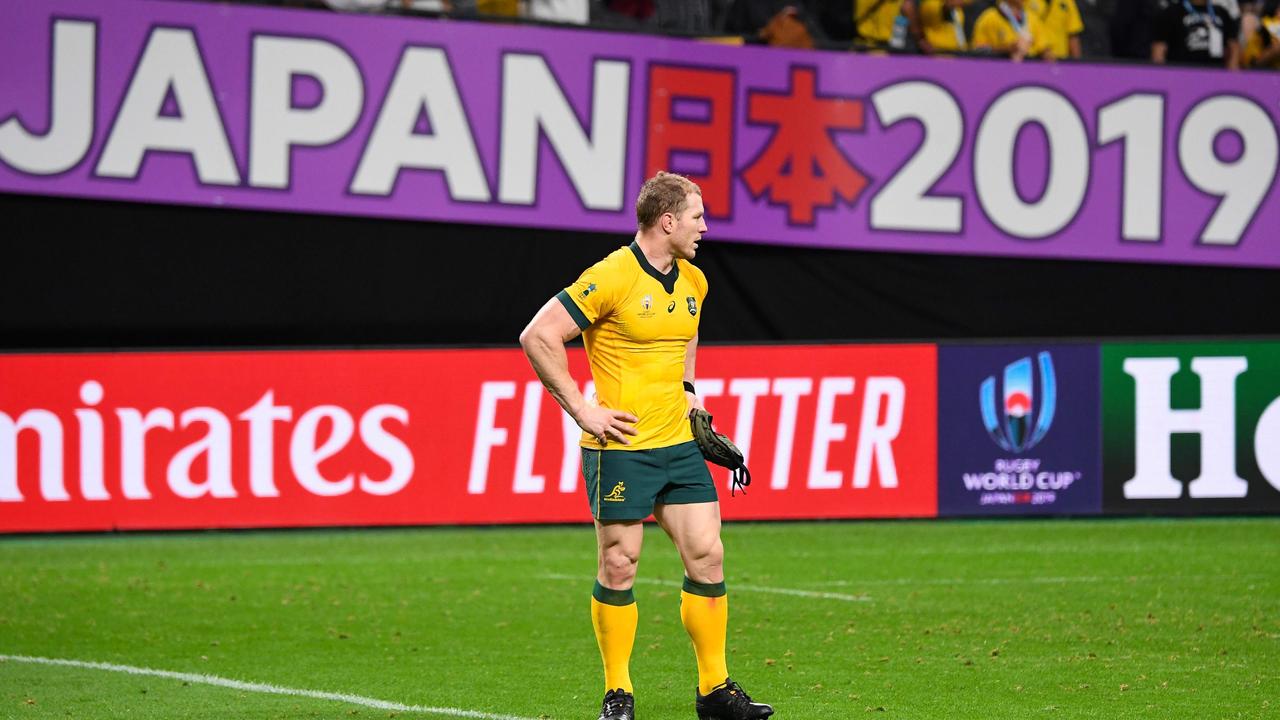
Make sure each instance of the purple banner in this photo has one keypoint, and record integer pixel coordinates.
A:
(1018, 430)
(303, 111)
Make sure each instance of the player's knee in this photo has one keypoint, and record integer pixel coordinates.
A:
(706, 556)
(618, 567)
(714, 554)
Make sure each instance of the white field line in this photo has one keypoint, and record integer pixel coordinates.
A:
(261, 687)
(735, 586)
(1037, 580)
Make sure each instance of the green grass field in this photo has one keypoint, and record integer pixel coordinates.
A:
(1013, 619)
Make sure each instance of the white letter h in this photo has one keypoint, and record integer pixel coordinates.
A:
(1156, 421)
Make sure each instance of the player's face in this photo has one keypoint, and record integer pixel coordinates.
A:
(690, 225)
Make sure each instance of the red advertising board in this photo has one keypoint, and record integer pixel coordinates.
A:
(409, 437)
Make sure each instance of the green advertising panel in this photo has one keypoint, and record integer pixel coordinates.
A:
(1191, 428)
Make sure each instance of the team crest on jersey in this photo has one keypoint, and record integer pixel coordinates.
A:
(615, 495)
(693, 305)
(590, 289)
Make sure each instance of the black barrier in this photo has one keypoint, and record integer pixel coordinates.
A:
(84, 274)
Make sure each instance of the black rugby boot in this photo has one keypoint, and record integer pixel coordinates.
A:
(730, 702)
(618, 705)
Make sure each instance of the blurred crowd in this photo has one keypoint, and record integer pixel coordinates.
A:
(1213, 33)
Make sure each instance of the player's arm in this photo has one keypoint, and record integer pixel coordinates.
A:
(1158, 52)
(543, 341)
(1160, 39)
(1075, 26)
(690, 360)
(1268, 55)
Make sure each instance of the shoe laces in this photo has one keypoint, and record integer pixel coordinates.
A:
(738, 697)
(615, 701)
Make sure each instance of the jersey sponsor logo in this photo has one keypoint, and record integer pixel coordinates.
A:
(693, 305)
(672, 307)
(1014, 431)
(616, 494)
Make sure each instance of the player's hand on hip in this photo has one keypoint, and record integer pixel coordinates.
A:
(605, 424)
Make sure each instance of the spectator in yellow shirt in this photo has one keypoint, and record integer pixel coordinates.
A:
(874, 19)
(1008, 29)
(941, 26)
(1262, 46)
(1062, 25)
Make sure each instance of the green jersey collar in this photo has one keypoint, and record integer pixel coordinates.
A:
(668, 281)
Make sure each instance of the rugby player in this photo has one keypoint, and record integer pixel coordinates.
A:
(638, 312)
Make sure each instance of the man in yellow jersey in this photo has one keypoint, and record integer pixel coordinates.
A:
(1262, 45)
(941, 26)
(1062, 26)
(874, 19)
(638, 310)
(1008, 29)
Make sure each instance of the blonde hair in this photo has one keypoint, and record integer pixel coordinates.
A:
(663, 193)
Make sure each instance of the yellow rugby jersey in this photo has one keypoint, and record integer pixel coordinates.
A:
(636, 324)
(1061, 19)
(993, 30)
(1267, 34)
(944, 30)
(875, 21)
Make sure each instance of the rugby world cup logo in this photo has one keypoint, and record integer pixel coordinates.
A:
(1019, 428)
